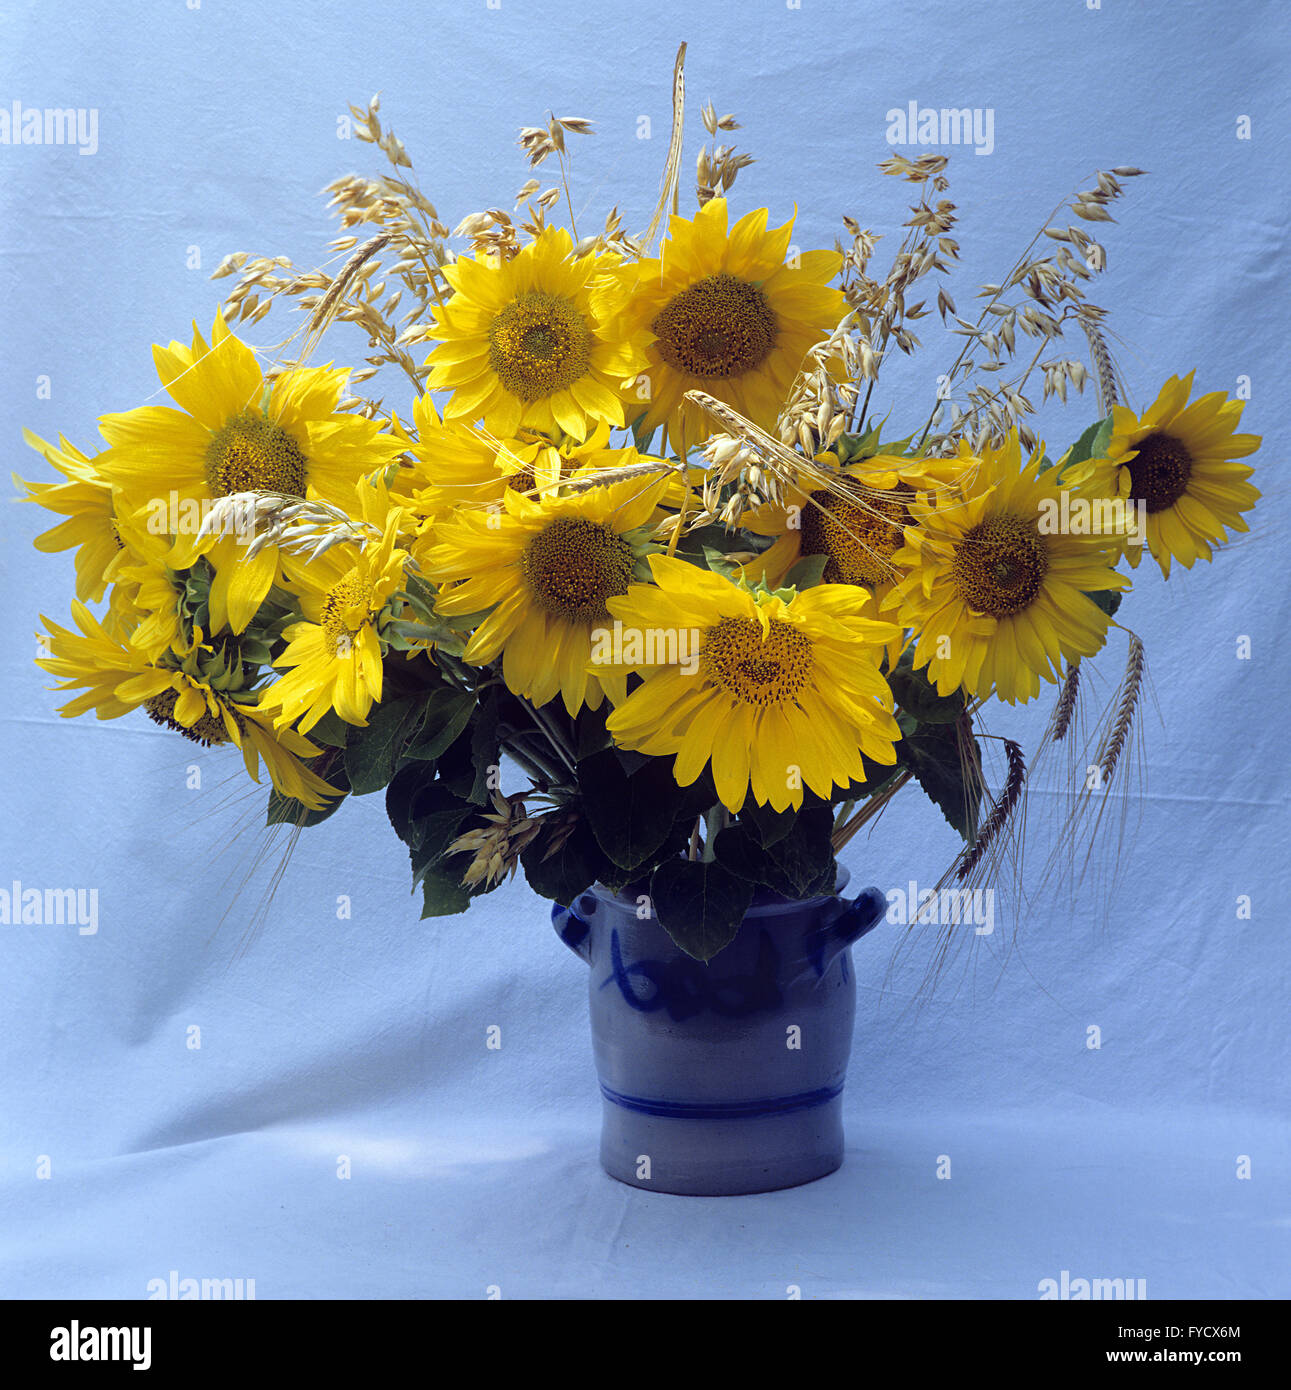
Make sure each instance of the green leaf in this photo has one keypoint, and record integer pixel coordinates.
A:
(932, 753)
(1109, 600)
(590, 735)
(372, 751)
(695, 544)
(696, 799)
(699, 905)
(851, 447)
(332, 730)
(769, 826)
(717, 561)
(804, 858)
(1092, 444)
(435, 816)
(918, 697)
(561, 876)
(446, 714)
(404, 786)
(486, 749)
(738, 849)
(641, 437)
(800, 864)
(631, 815)
(443, 895)
(630, 760)
(807, 573)
(454, 768)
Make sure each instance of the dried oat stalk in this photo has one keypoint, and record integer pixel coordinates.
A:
(386, 289)
(1038, 299)
(496, 846)
(717, 165)
(291, 523)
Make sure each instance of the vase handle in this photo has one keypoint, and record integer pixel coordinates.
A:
(573, 931)
(846, 922)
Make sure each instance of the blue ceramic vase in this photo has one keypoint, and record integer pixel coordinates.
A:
(725, 1077)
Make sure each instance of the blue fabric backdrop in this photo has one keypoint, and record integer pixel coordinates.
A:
(127, 1153)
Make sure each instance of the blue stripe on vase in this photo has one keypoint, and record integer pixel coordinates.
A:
(724, 1109)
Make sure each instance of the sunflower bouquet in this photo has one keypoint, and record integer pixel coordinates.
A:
(637, 589)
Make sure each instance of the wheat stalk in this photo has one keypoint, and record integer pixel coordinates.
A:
(1065, 708)
(326, 307)
(1113, 742)
(672, 165)
(604, 476)
(1001, 811)
(1103, 368)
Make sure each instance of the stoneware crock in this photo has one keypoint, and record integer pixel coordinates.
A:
(725, 1077)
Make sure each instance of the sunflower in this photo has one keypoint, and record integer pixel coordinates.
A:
(998, 599)
(148, 595)
(783, 689)
(334, 653)
(726, 315)
(1177, 461)
(198, 698)
(537, 340)
(854, 515)
(457, 465)
(235, 432)
(86, 500)
(543, 570)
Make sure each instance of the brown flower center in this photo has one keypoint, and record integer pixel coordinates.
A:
(208, 730)
(754, 669)
(860, 537)
(249, 453)
(539, 344)
(999, 565)
(346, 610)
(1160, 471)
(573, 565)
(718, 327)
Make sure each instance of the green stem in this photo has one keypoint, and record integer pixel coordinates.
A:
(715, 819)
(538, 768)
(559, 743)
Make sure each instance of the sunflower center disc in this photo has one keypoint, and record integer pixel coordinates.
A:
(999, 565)
(353, 591)
(573, 565)
(523, 481)
(208, 729)
(249, 453)
(859, 537)
(757, 670)
(718, 327)
(538, 344)
(1159, 474)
